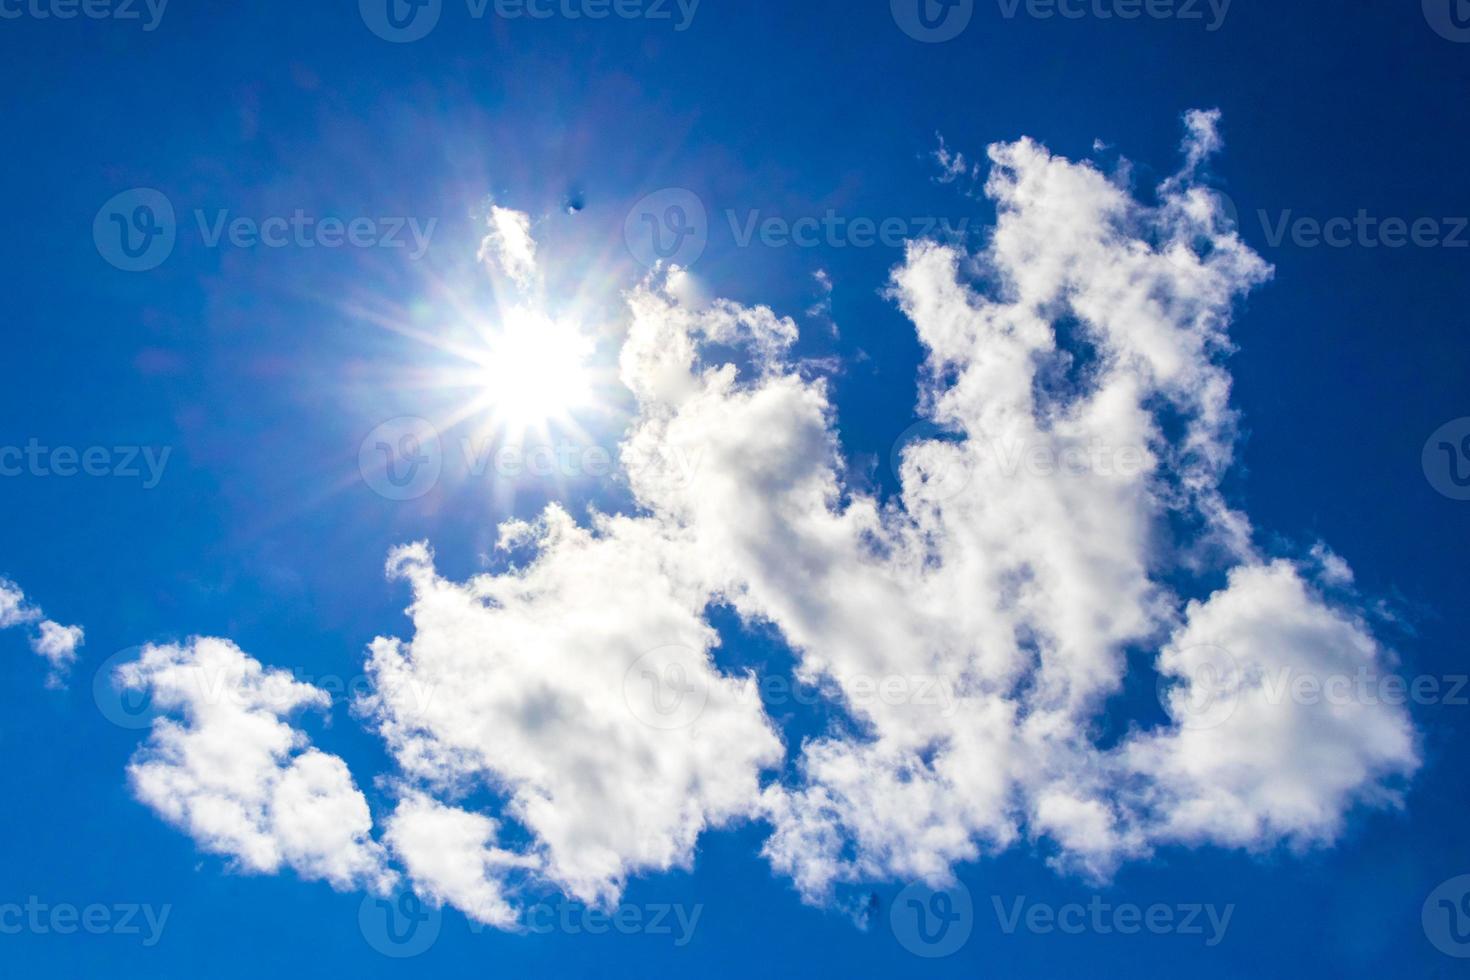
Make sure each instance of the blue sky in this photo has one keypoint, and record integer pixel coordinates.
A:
(255, 377)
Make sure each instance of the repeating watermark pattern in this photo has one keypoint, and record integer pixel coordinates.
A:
(148, 13)
(933, 21)
(1210, 13)
(137, 230)
(400, 925)
(1363, 230)
(676, 921)
(1446, 917)
(1097, 917)
(672, 227)
(668, 227)
(133, 707)
(39, 918)
(405, 459)
(402, 459)
(937, 21)
(401, 21)
(833, 230)
(1364, 687)
(573, 460)
(1215, 682)
(125, 707)
(932, 923)
(42, 462)
(406, 21)
(951, 465)
(667, 689)
(1446, 459)
(1207, 695)
(1449, 18)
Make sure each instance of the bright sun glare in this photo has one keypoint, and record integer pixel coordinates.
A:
(534, 371)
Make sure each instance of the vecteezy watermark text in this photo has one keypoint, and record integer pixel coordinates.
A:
(675, 920)
(405, 458)
(129, 704)
(40, 918)
(405, 21)
(1210, 12)
(672, 227)
(136, 231)
(148, 12)
(833, 230)
(120, 462)
(1098, 917)
(937, 21)
(667, 688)
(1364, 230)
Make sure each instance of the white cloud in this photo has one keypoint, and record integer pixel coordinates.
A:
(509, 245)
(50, 639)
(582, 688)
(1081, 380)
(58, 644)
(952, 165)
(14, 611)
(1271, 763)
(223, 765)
(1066, 512)
(451, 856)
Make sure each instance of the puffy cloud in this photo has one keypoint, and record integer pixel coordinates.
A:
(58, 644)
(1276, 740)
(223, 765)
(450, 855)
(1074, 374)
(582, 688)
(14, 610)
(972, 631)
(50, 639)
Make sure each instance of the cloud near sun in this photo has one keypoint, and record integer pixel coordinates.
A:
(582, 688)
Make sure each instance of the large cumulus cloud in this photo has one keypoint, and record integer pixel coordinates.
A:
(1065, 514)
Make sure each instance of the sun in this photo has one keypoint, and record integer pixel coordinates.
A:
(534, 371)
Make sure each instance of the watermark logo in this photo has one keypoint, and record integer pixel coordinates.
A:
(400, 925)
(402, 459)
(665, 688)
(401, 21)
(125, 696)
(1204, 690)
(126, 707)
(669, 227)
(932, 923)
(1446, 459)
(136, 230)
(1449, 18)
(943, 464)
(1446, 917)
(933, 21)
